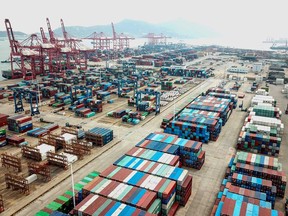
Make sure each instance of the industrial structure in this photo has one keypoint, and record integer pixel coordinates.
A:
(96, 116)
(38, 56)
(154, 39)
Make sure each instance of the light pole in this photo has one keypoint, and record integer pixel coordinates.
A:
(72, 182)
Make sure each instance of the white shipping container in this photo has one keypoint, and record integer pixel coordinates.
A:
(261, 92)
(279, 81)
(31, 178)
(71, 158)
(69, 137)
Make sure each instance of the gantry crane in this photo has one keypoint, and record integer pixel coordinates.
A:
(19, 94)
(15, 51)
(100, 41)
(121, 82)
(154, 39)
(120, 41)
(51, 52)
(157, 101)
(73, 95)
(77, 52)
(30, 53)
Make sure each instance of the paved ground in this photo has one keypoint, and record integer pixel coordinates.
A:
(128, 137)
(206, 182)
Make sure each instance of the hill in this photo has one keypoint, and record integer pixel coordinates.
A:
(16, 34)
(177, 28)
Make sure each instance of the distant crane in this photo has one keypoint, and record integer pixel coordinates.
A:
(154, 39)
(15, 51)
(44, 38)
(30, 53)
(120, 41)
(100, 41)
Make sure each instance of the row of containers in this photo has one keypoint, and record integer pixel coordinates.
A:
(262, 131)
(252, 181)
(146, 180)
(251, 185)
(64, 202)
(21, 124)
(87, 108)
(3, 122)
(203, 118)
(18, 124)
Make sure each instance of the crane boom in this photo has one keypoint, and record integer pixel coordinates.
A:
(51, 33)
(114, 32)
(14, 44)
(65, 34)
(44, 38)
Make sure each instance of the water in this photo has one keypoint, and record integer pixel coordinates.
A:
(228, 42)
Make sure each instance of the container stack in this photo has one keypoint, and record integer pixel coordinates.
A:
(213, 104)
(179, 175)
(49, 91)
(155, 156)
(265, 111)
(99, 136)
(103, 95)
(202, 119)
(84, 112)
(159, 146)
(232, 97)
(140, 198)
(62, 98)
(3, 141)
(20, 123)
(188, 131)
(163, 187)
(166, 85)
(42, 131)
(218, 90)
(262, 167)
(64, 203)
(143, 106)
(3, 119)
(94, 205)
(254, 180)
(237, 207)
(95, 105)
(259, 143)
(273, 123)
(118, 113)
(263, 101)
(213, 124)
(147, 178)
(190, 152)
(262, 131)
(15, 140)
(265, 130)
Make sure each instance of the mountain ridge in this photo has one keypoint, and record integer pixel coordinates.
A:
(137, 28)
(16, 33)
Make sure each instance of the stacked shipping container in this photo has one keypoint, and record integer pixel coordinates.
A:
(262, 131)
(99, 136)
(146, 179)
(203, 118)
(3, 141)
(3, 119)
(255, 181)
(190, 152)
(64, 202)
(20, 123)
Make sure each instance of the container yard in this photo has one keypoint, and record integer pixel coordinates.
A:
(160, 130)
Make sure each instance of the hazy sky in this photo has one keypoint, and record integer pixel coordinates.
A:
(243, 19)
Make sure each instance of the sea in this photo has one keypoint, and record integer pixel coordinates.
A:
(227, 42)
